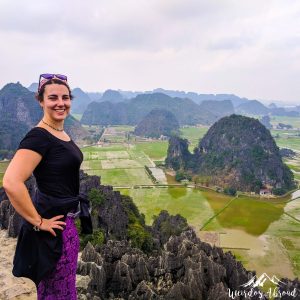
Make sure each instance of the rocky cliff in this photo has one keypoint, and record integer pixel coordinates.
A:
(237, 152)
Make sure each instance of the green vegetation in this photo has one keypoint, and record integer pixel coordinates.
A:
(136, 231)
(181, 175)
(230, 191)
(294, 121)
(189, 203)
(289, 142)
(193, 135)
(96, 198)
(154, 149)
(149, 172)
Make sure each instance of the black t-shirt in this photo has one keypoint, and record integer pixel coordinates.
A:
(57, 174)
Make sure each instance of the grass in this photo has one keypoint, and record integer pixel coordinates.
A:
(121, 177)
(293, 167)
(294, 121)
(154, 149)
(189, 203)
(290, 142)
(193, 134)
(250, 215)
(126, 128)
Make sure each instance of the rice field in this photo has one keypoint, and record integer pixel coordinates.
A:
(193, 134)
(259, 233)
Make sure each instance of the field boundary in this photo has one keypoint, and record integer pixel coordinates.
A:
(219, 212)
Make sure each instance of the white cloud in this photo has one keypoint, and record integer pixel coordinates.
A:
(250, 48)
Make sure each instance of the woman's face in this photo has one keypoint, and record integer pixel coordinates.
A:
(56, 103)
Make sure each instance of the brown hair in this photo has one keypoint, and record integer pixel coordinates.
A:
(40, 95)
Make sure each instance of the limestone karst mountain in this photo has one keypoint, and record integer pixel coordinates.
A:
(237, 152)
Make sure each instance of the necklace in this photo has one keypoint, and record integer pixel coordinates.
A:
(57, 129)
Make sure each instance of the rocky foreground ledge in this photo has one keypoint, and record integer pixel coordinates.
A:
(186, 269)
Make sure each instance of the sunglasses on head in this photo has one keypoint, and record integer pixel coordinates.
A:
(46, 77)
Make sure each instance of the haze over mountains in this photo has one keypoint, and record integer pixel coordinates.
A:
(241, 104)
(19, 111)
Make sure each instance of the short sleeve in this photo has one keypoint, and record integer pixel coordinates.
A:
(35, 140)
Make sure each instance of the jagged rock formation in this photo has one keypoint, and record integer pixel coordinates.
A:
(293, 286)
(185, 269)
(9, 218)
(237, 152)
(158, 122)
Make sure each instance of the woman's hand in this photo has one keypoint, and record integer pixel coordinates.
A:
(49, 224)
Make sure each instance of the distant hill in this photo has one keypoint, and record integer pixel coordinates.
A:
(198, 98)
(33, 87)
(236, 152)
(220, 108)
(94, 96)
(280, 111)
(80, 102)
(19, 112)
(252, 107)
(156, 123)
(134, 110)
(112, 96)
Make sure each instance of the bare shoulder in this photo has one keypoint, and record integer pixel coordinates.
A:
(22, 165)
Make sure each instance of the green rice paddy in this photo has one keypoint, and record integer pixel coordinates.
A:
(154, 149)
(264, 235)
(193, 134)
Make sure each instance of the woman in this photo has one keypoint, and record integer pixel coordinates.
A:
(52, 156)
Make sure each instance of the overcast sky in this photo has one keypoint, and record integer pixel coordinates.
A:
(250, 48)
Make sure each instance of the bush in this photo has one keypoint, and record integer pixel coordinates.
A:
(279, 191)
(140, 238)
(230, 191)
(96, 197)
(180, 175)
(96, 238)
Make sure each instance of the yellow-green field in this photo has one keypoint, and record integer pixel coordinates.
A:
(259, 233)
(118, 165)
(264, 235)
(193, 134)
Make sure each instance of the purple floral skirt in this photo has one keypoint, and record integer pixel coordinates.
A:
(60, 284)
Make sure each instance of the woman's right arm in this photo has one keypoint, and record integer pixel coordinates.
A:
(17, 172)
